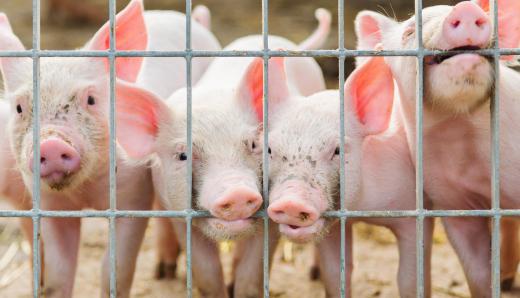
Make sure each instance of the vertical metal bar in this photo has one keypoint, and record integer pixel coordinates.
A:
(495, 158)
(112, 155)
(189, 170)
(36, 149)
(265, 163)
(341, 82)
(419, 227)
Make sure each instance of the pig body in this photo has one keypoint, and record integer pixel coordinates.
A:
(167, 32)
(457, 134)
(74, 146)
(304, 172)
(226, 127)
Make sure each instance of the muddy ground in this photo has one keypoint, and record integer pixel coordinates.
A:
(375, 252)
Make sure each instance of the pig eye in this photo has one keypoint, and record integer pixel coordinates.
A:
(253, 145)
(91, 101)
(183, 156)
(336, 152)
(269, 150)
(19, 109)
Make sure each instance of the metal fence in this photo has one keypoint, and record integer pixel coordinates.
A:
(495, 213)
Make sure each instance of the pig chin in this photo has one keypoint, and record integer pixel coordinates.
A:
(312, 233)
(220, 230)
(459, 85)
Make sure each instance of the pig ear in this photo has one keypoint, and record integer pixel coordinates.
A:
(14, 70)
(139, 114)
(508, 22)
(251, 92)
(368, 26)
(130, 34)
(369, 94)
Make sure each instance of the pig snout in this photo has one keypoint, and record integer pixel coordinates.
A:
(58, 160)
(237, 203)
(292, 212)
(467, 25)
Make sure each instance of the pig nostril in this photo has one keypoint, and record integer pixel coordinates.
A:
(455, 23)
(250, 202)
(279, 212)
(42, 160)
(226, 206)
(65, 156)
(304, 216)
(480, 22)
(293, 227)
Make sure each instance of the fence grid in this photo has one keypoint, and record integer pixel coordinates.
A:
(420, 214)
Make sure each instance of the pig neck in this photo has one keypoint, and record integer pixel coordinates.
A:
(457, 148)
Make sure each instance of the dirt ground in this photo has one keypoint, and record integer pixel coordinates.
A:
(375, 252)
(375, 266)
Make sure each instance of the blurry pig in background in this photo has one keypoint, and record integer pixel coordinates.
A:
(304, 146)
(74, 141)
(457, 148)
(227, 154)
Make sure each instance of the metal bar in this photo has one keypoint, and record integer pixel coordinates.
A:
(112, 153)
(256, 53)
(259, 214)
(265, 160)
(36, 195)
(419, 179)
(495, 159)
(341, 82)
(189, 169)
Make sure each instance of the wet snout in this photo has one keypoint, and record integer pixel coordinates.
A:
(239, 202)
(58, 160)
(466, 25)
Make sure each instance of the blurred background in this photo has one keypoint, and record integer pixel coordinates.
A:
(68, 24)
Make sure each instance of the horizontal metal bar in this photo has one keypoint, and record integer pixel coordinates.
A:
(270, 53)
(206, 214)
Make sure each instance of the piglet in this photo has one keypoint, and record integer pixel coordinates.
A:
(227, 155)
(457, 148)
(74, 141)
(304, 146)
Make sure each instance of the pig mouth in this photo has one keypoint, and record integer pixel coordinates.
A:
(303, 234)
(439, 59)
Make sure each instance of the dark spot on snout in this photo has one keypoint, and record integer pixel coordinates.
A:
(284, 158)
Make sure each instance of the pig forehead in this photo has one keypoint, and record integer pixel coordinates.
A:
(431, 12)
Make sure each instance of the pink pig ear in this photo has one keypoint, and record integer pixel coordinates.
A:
(15, 71)
(251, 92)
(130, 34)
(139, 114)
(508, 22)
(368, 26)
(369, 94)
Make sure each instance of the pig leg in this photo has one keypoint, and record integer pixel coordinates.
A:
(329, 256)
(509, 252)
(248, 263)
(206, 267)
(61, 239)
(314, 273)
(405, 232)
(471, 240)
(129, 236)
(168, 248)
